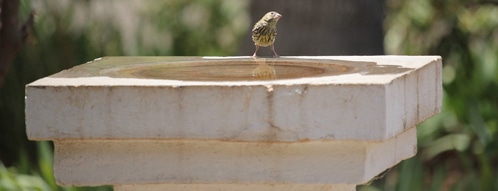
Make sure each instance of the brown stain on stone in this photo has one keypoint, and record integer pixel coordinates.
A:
(272, 129)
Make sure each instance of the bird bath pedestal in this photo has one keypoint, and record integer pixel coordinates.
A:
(233, 123)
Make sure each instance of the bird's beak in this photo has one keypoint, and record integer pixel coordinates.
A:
(278, 16)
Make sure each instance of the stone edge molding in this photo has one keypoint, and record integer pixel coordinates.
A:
(121, 162)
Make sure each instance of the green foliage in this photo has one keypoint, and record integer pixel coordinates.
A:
(202, 28)
(11, 180)
(458, 149)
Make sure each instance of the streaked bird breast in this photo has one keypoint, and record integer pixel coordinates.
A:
(264, 35)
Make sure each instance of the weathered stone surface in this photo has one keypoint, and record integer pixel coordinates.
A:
(348, 119)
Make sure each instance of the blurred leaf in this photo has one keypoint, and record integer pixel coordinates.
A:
(10, 180)
(410, 175)
(477, 123)
(46, 163)
(459, 142)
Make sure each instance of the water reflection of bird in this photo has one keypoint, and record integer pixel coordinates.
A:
(265, 30)
(264, 71)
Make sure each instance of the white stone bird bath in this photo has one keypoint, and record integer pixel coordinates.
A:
(233, 123)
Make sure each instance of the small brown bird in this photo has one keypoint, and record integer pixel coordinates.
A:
(265, 30)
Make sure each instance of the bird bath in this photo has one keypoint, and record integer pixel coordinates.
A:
(233, 123)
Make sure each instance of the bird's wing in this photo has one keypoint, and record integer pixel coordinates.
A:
(258, 26)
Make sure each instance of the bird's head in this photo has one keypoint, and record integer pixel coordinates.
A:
(272, 17)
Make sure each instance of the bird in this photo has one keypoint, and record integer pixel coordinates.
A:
(265, 31)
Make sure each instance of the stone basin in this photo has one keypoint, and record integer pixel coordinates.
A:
(152, 123)
(228, 69)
